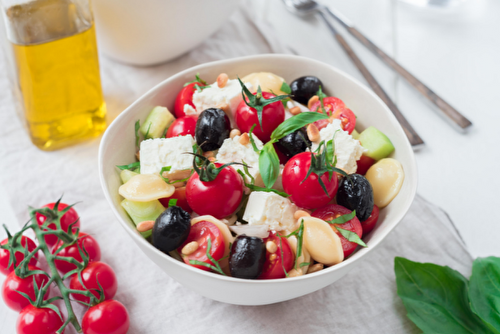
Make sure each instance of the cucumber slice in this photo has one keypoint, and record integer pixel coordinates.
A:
(141, 211)
(355, 134)
(158, 120)
(377, 143)
(126, 175)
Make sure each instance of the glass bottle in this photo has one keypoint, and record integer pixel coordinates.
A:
(54, 49)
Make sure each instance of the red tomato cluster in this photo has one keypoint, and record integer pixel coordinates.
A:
(109, 316)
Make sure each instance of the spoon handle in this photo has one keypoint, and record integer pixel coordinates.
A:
(412, 135)
(448, 111)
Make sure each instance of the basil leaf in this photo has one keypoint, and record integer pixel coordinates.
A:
(285, 88)
(342, 219)
(269, 165)
(351, 236)
(296, 122)
(484, 291)
(131, 166)
(250, 135)
(303, 264)
(436, 298)
(267, 190)
(172, 202)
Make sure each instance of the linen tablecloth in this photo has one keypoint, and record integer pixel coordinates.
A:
(364, 301)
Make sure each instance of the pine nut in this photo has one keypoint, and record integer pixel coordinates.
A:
(315, 267)
(313, 132)
(301, 214)
(224, 107)
(294, 273)
(271, 247)
(190, 248)
(145, 225)
(244, 139)
(273, 257)
(179, 184)
(138, 155)
(234, 133)
(295, 111)
(177, 175)
(212, 159)
(222, 80)
(312, 101)
(208, 154)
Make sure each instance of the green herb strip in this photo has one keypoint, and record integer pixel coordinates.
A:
(137, 127)
(342, 219)
(245, 168)
(172, 202)
(269, 165)
(131, 166)
(216, 267)
(147, 132)
(351, 236)
(436, 298)
(252, 140)
(281, 259)
(296, 122)
(285, 88)
(303, 264)
(300, 239)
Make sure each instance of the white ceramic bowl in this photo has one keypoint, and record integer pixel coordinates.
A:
(118, 148)
(146, 32)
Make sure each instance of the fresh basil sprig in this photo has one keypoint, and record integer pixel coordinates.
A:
(296, 122)
(269, 165)
(252, 141)
(133, 166)
(342, 219)
(285, 88)
(351, 236)
(437, 298)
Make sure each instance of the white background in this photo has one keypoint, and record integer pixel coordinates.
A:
(455, 52)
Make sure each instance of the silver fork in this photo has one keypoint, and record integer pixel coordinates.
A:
(308, 7)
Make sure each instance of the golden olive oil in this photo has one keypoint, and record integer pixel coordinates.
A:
(60, 83)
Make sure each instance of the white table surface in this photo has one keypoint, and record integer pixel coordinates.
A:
(456, 53)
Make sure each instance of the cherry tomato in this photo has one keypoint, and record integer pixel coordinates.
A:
(363, 164)
(347, 119)
(180, 195)
(200, 232)
(185, 96)
(34, 320)
(219, 198)
(332, 211)
(277, 263)
(66, 220)
(307, 193)
(86, 242)
(108, 317)
(13, 283)
(331, 105)
(94, 271)
(272, 115)
(5, 255)
(182, 126)
(371, 221)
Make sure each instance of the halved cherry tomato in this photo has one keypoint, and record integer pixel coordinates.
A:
(108, 317)
(180, 195)
(347, 119)
(363, 164)
(67, 219)
(200, 232)
(219, 198)
(182, 126)
(13, 284)
(95, 271)
(34, 320)
(277, 263)
(370, 223)
(331, 105)
(272, 115)
(86, 242)
(332, 211)
(5, 255)
(307, 193)
(185, 96)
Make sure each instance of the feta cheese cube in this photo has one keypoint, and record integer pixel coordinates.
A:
(266, 208)
(347, 149)
(233, 151)
(162, 152)
(214, 96)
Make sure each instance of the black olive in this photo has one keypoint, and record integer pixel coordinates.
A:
(294, 143)
(304, 88)
(171, 229)
(212, 128)
(247, 258)
(355, 193)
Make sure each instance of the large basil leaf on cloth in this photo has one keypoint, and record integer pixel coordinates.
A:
(436, 298)
(484, 291)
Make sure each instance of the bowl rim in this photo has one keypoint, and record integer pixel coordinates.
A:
(358, 255)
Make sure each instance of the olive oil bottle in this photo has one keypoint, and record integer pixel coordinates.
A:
(55, 52)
